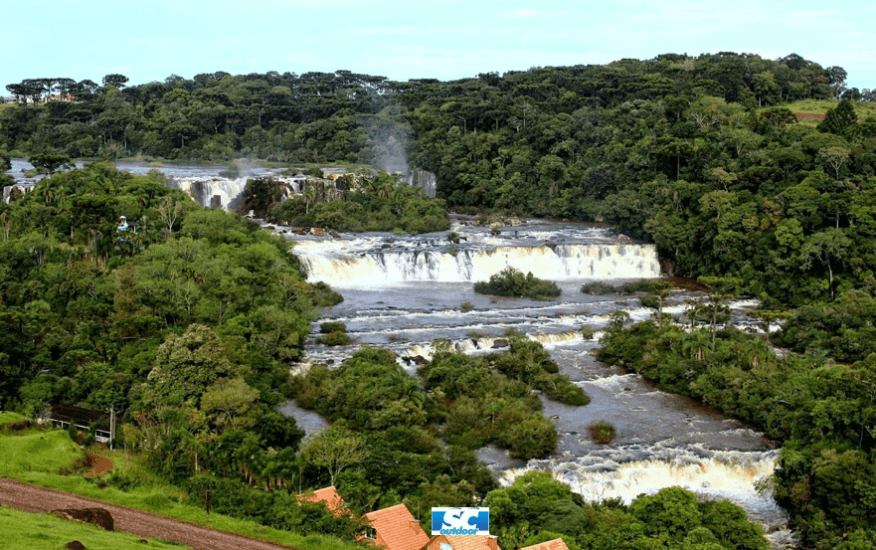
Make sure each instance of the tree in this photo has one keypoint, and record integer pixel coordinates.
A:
(719, 291)
(229, 399)
(841, 120)
(834, 157)
(661, 290)
(837, 80)
(827, 247)
(117, 81)
(170, 210)
(186, 365)
(335, 449)
(49, 163)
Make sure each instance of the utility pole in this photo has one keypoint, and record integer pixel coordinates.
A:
(112, 426)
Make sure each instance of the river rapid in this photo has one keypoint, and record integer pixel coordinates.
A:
(404, 292)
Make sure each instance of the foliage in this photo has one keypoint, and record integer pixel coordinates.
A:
(536, 507)
(598, 288)
(512, 282)
(130, 485)
(602, 432)
(378, 203)
(820, 412)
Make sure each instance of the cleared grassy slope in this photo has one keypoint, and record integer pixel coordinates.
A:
(46, 532)
(37, 457)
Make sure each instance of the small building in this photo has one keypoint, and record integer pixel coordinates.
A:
(61, 416)
(394, 528)
(463, 542)
(555, 544)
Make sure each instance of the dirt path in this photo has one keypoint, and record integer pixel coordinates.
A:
(35, 499)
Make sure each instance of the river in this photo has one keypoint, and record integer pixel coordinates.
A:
(404, 292)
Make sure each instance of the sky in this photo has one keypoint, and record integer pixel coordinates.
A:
(149, 40)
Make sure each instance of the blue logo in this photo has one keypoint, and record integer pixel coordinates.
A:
(460, 521)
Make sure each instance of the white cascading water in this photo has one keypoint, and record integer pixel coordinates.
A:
(373, 261)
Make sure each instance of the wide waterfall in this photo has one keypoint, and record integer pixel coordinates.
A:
(577, 254)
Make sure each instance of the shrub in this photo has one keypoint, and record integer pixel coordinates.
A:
(559, 388)
(639, 285)
(332, 326)
(586, 332)
(602, 432)
(512, 282)
(598, 288)
(466, 306)
(534, 438)
(336, 338)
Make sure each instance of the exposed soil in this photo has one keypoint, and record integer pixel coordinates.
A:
(35, 499)
(99, 465)
(812, 116)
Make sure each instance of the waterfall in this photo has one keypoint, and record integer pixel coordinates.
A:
(18, 188)
(427, 180)
(209, 191)
(569, 262)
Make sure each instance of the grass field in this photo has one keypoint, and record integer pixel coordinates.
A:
(37, 457)
(44, 532)
(821, 106)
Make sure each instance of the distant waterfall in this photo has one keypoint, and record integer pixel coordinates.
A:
(567, 262)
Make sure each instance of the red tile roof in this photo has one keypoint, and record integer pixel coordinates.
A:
(330, 496)
(463, 542)
(395, 529)
(556, 544)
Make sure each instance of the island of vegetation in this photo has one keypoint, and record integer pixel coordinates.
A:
(512, 282)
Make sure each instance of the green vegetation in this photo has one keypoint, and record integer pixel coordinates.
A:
(39, 451)
(49, 459)
(374, 203)
(383, 416)
(47, 532)
(602, 432)
(185, 324)
(702, 156)
(333, 334)
(511, 282)
(535, 507)
(820, 411)
(598, 288)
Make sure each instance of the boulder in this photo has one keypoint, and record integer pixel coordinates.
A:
(95, 516)
(500, 343)
(75, 545)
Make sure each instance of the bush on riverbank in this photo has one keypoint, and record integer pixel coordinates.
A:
(512, 282)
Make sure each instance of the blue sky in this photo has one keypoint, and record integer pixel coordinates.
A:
(149, 40)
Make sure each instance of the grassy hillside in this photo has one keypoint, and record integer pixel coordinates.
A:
(45, 532)
(38, 457)
(821, 106)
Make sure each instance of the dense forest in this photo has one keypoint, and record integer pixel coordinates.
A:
(704, 156)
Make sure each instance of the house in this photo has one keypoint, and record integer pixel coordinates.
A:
(331, 498)
(61, 416)
(394, 528)
(555, 544)
(463, 542)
